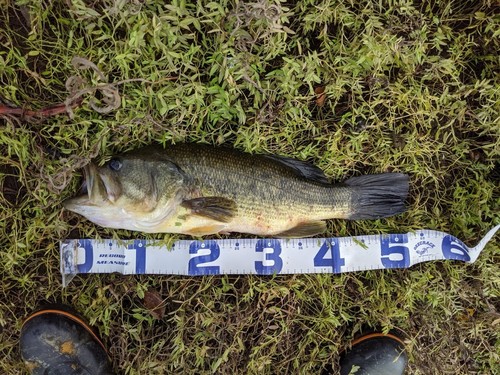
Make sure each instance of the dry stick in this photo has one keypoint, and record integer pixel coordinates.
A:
(111, 96)
(73, 101)
(108, 90)
(52, 110)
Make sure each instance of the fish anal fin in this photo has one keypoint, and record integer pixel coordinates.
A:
(216, 208)
(205, 230)
(306, 229)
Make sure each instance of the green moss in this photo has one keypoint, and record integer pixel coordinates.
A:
(410, 87)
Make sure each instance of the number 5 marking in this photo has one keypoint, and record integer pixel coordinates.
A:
(391, 246)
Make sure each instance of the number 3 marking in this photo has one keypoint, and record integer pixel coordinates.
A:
(272, 250)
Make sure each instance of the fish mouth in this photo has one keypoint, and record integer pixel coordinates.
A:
(96, 190)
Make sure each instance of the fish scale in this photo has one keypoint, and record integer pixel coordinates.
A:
(288, 192)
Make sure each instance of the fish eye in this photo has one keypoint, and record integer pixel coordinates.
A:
(115, 164)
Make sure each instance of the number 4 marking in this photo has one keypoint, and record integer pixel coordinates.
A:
(335, 261)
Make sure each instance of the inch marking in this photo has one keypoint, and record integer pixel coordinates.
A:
(265, 256)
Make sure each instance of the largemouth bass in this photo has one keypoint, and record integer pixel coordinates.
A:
(198, 190)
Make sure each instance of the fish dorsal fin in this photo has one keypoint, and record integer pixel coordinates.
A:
(305, 229)
(216, 208)
(301, 168)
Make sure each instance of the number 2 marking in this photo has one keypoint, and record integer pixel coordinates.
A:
(194, 268)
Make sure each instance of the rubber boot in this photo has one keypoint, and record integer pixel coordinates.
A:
(56, 341)
(375, 354)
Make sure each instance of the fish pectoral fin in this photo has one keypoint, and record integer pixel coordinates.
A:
(216, 208)
(305, 229)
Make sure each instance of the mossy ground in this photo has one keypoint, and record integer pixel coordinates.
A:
(409, 86)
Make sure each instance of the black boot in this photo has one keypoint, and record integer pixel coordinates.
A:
(375, 354)
(56, 341)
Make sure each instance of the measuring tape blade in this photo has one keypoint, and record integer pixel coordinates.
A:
(264, 256)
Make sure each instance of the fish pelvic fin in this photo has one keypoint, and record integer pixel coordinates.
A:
(378, 195)
(216, 208)
(305, 229)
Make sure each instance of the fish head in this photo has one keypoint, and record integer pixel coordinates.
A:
(126, 191)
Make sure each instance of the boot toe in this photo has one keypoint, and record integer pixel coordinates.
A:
(375, 354)
(57, 342)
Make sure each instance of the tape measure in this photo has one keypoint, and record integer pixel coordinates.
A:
(263, 256)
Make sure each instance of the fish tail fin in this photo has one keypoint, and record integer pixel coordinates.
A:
(378, 195)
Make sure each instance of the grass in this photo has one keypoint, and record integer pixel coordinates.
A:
(410, 86)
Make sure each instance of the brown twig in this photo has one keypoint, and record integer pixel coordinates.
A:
(77, 88)
(49, 111)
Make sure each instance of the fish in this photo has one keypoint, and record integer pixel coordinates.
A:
(198, 189)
